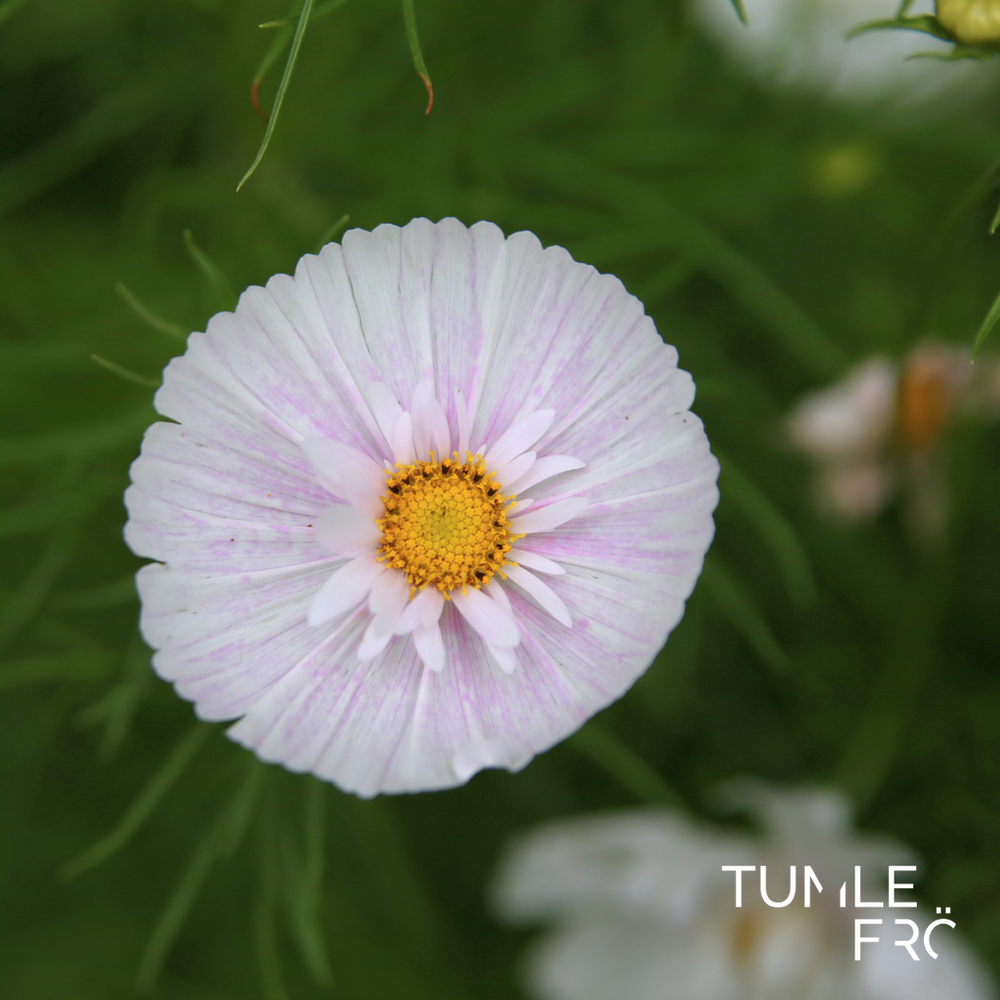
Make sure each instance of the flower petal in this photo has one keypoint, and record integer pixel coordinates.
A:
(430, 425)
(547, 518)
(505, 657)
(514, 469)
(519, 437)
(347, 531)
(385, 408)
(534, 561)
(542, 594)
(347, 473)
(430, 646)
(346, 588)
(424, 609)
(402, 440)
(487, 617)
(544, 468)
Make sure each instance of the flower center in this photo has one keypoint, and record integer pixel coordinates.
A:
(445, 524)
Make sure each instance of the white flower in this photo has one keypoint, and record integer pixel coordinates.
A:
(792, 42)
(427, 506)
(643, 911)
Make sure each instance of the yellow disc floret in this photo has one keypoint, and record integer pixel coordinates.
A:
(445, 525)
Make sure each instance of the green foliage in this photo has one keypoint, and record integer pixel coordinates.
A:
(810, 651)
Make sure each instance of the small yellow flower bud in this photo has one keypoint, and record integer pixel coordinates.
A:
(972, 22)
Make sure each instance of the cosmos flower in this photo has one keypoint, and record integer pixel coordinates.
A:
(882, 429)
(643, 911)
(424, 507)
(796, 42)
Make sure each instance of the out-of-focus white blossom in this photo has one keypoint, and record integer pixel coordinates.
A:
(641, 910)
(801, 42)
(882, 428)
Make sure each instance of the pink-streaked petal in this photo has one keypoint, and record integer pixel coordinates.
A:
(430, 646)
(424, 609)
(430, 425)
(518, 505)
(519, 437)
(388, 599)
(402, 440)
(373, 642)
(475, 756)
(544, 468)
(514, 469)
(505, 657)
(347, 531)
(462, 419)
(547, 518)
(385, 408)
(536, 562)
(541, 593)
(346, 588)
(491, 621)
(495, 590)
(347, 473)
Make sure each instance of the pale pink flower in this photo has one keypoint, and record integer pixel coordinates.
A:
(426, 506)
(883, 426)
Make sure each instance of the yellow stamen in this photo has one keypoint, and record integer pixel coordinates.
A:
(445, 525)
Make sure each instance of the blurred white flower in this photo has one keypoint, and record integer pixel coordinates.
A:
(643, 911)
(795, 42)
(882, 428)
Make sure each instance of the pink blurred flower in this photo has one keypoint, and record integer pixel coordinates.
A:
(882, 429)
(425, 507)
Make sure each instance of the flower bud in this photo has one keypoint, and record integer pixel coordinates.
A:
(972, 22)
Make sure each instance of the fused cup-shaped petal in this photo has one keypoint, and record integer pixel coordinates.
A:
(332, 555)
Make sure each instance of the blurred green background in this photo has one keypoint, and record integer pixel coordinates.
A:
(810, 652)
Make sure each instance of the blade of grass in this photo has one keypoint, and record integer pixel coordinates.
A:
(112, 118)
(84, 665)
(279, 97)
(219, 842)
(625, 766)
(739, 610)
(777, 533)
(995, 221)
(108, 595)
(874, 745)
(318, 14)
(664, 226)
(126, 373)
(410, 19)
(143, 805)
(741, 11)
(218, 282)
(149, 317)
(265, 906)
(10, 7)
(333, 231)
(59, 509)
(77, 441)
(987, 325)
(303, 884)
(30, 593)
(118, 706)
